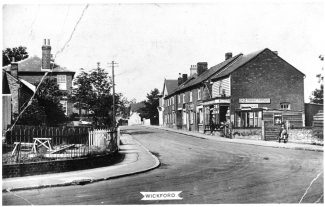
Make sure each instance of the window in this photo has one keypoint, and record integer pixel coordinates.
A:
(191, 96)
(199, 94)
(285, 106)
(179, 98)
(247, 119)
(183, 97)
(64, 106)
(62, 82)
(277, 119)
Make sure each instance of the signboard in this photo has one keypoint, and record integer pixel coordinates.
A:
(245, 106)
(216, 101)
(254, 100)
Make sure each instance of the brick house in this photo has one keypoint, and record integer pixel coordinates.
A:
(32, 70)
(243, 90)
(164, 109)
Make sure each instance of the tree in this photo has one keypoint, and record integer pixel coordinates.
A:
(45, 107)
(82, 94)
(19, 53)
(317, 95)
(149, 111)
(92, 93)
(123, 106)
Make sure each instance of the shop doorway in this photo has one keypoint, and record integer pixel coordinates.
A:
(222, 113)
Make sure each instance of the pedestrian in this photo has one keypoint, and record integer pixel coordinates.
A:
(283, 132)
(212, 124)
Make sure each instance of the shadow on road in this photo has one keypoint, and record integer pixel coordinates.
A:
(136, 132)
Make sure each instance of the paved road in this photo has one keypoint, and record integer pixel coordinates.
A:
(206, 171)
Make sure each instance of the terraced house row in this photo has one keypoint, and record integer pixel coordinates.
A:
(243, 90)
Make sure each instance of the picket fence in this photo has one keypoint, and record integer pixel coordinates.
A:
(103, 138)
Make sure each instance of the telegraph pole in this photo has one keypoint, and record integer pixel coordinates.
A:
(112, 65)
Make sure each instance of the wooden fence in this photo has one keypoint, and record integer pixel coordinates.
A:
(26, 143)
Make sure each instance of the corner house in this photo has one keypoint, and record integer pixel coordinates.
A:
(242, 90)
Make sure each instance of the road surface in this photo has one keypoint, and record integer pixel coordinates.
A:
(206, 171)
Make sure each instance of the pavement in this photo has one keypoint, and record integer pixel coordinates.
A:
(276, 144)
(137, 159)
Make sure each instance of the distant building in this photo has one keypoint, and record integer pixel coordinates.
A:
(169, 87)
(32, 70)
(242, 90)
(134, 119)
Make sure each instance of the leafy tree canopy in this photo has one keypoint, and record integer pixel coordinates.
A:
(45, 107)
(19, 53)
(317, 95)
(92, 93)
(149, 111)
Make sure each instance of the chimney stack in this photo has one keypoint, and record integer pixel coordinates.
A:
(184, 78)
(193, 70)
(14, 68)
(201, 67)
(228, 55)
(46, 55)
(180, 79)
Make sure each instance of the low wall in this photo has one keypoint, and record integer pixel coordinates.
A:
(57, 166)
(254, 134)
(306, 136)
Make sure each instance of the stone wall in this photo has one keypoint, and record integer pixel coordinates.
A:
(304, 136)
(255, 134)
(57, 166)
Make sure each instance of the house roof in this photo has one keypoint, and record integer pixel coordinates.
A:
(136, 106)
(242, 60)
(223, 69)
(171, 85)
(28, 85)
(34, 64)
(24, 82)
(195, 80)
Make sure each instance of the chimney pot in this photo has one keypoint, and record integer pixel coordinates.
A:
(184, 78)
(201, 67)
(228, 55)
(46, 55)
(180, 79)
(193, 70)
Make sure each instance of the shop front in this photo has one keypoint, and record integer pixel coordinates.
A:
(216, 112)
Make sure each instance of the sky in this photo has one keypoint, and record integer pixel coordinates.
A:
(154, 41)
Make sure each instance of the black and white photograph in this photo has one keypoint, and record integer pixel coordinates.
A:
(162, 102)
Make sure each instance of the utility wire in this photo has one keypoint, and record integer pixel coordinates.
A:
(58, 52)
